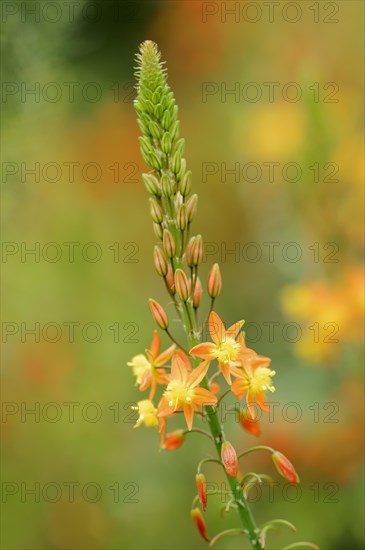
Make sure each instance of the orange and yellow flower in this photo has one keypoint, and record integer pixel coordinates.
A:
(253, 379)
(226, 347)
(146, 367)
(182, 392)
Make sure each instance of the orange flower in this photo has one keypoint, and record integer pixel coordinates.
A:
(146, 369)
(174, 440)
(285, 467)
(198, 519)
(182, 391)
(229, 459)
(224, 347)
(253, 380)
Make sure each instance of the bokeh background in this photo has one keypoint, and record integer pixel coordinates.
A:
(78, 132)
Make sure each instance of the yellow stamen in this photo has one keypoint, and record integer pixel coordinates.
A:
(228, 350)
(261, 380)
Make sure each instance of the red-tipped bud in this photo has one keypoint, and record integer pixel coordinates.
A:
(168, 243)
(181, 217)
(160, 261)
(249, 424)
(285, 467)
(214, 281)
(229, 459)
(182, 285)
(158, 314)
(201, 485)
(174, 440)
(156, 211)
(197, 250)
(198, 519)
(191, 207)
(197, 297)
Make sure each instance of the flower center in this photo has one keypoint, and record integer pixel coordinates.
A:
(178, 394)
(140, 365)
(261, 380)
(228, 350)
(147, 413)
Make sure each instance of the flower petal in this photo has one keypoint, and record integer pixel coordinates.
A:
(197, 374)
(204, 397)
(239, 388)
(261, 401)
(146, 381)
(178, 369)
(184, 358)
(164, 356)
(205, 350)
(216, 328)
(226, 371)
(234, 329)
(164, 408)
(189, 415)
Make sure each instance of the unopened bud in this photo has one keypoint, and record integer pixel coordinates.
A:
(182, 285)
(152, 184)
(185, 185)
(166, 186)
(158, 314)
(198, 519)
(145, 145)
(154, 129)
(175, 130)
(214, 281)
(166, 120)
(176, 162)
(229, 459)
(154, 161)
(170, 279)
(285, 467)
(182, 171)
(197, 296)
(160, 261)
(166, 143)
(197, 250)
(181, 217)
(201, 485)
(180, 146)
(174, 440)
(157, 228)
(191, 207)
(168, 243)
(156, 211)
(189, 252)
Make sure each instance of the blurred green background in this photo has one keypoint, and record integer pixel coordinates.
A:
(75, 474)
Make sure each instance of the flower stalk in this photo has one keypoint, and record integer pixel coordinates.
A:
(188, 388)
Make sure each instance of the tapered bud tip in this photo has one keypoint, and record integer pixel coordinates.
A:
(198, 519)
(189, 252)
(182, 217)
(214, 282)
(156, 211)
(201, 485)
(197, 250)
(160, 261)
(285, 467)
(174, 440)
(185, 185)
(158, 314)
(182, 285)
(152, 184)
(229, 459)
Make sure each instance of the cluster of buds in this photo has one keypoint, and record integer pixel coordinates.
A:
(182, 371)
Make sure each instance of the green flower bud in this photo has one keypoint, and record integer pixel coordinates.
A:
(155, 129)
(166, 186)
(166, 143)
(166, 120)
(176, 162)
(152, 184)
(185, 185)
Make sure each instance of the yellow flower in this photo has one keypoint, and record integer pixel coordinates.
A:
(147, 413)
